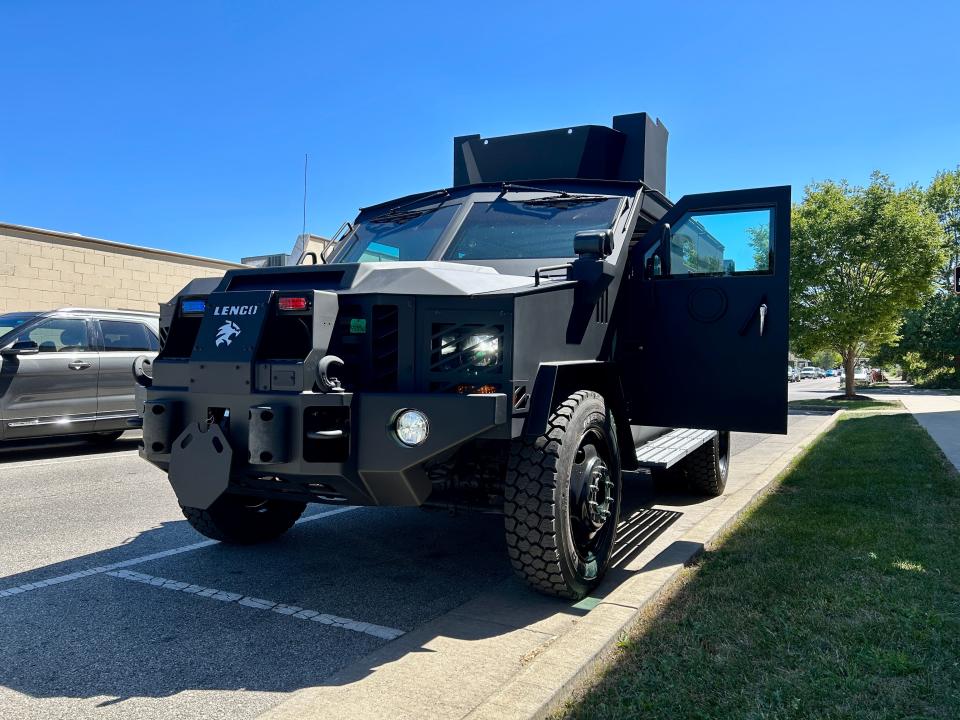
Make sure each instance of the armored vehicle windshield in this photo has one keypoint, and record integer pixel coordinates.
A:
(542, 228)
(483, 226)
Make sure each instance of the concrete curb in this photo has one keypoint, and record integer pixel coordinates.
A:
(546, 682)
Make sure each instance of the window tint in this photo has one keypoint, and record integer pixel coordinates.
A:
(12, 321)
(59, 335)
(408, 236)
(120, 336)
(722, 243)
(503, 229)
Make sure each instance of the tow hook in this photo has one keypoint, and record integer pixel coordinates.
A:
(328, 383)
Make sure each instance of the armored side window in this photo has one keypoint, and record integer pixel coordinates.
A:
(722, 243)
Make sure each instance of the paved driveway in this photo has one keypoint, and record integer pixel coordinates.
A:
(112, 606)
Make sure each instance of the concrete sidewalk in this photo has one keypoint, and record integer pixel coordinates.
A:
(512, 654)
(940, 417)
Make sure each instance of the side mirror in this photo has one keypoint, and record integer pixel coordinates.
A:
(593, 243)
(22, 347)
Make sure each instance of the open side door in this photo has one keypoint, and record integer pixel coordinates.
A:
(704, 336)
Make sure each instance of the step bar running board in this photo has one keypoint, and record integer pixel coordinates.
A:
(667, 450)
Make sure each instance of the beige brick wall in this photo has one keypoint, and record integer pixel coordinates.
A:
(43, 270)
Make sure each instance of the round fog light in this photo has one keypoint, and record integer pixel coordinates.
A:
(411, 427)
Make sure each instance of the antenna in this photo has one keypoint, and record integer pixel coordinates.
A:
(306, 159)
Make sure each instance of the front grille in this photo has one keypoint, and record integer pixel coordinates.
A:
(164, 332)
(385, 341)
(367, 339)
(350, 346)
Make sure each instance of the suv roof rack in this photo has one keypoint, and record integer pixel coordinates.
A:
(104, 311)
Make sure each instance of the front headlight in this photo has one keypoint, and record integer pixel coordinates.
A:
(448, 344)
(483, 350)
(462, 352)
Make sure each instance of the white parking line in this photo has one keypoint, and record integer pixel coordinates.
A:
(79, 574)
(379, 631)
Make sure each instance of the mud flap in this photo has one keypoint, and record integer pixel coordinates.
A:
(200, 461)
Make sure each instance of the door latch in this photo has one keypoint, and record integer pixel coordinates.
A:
(759, 313)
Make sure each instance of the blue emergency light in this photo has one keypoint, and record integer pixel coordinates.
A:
(193, 307)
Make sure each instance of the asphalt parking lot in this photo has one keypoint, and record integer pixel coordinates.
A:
(111, 605)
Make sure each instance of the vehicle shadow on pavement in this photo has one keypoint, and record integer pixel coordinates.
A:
(47, 449)
(107, 639)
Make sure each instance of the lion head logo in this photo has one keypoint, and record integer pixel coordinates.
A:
(227, 332)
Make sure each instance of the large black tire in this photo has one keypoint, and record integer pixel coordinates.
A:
(557, 541)
(702, 472)
(243, 520)
(706, 467)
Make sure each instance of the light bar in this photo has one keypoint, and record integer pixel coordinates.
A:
(193, 307)
(292, 303)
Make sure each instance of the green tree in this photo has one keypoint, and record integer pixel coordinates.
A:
(932, 334)
(930, 341)
(861, 256)
(827, 359)
(943, 196)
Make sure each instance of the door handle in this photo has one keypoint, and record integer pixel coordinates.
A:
(759, 311)
(78, 365)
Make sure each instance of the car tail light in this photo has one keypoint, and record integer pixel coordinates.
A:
(290, 304)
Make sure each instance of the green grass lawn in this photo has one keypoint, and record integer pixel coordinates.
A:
(837, 597)
(825, 404)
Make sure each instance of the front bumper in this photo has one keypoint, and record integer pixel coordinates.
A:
(309, 446)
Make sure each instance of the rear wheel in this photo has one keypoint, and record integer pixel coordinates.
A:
(244, 520)
(562, 499)
(707, 467)
(703, 472)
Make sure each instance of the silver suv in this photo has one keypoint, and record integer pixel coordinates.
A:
(67, 372)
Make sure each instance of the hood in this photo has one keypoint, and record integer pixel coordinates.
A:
(396, 278)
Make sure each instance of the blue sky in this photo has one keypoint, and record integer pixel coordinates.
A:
(184, 125)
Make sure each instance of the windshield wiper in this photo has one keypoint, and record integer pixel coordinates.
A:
(565, 200)
(559, 196)
(401, 216)
(397, 214)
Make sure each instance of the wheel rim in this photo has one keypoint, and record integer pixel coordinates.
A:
(593, 501)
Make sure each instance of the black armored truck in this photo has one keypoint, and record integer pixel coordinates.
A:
(514, 343)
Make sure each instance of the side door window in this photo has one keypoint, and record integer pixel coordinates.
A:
(723, 242)
(127, 336)
(60, 335)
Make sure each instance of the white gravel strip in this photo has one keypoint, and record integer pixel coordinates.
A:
(79, 574)
(379, 631)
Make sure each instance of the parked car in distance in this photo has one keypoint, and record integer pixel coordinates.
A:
(792, 374)
(809, 372)
(860, 375)
(67, 372)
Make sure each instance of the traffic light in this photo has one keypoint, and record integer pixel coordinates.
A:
(956, 279)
